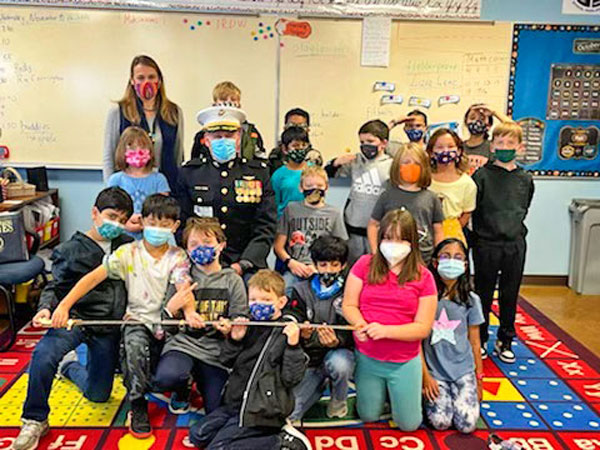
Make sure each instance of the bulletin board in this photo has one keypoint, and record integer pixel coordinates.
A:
(61, 70)
(430, 61)
(555, 95)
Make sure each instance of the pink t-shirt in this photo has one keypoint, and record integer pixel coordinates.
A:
(391, 304)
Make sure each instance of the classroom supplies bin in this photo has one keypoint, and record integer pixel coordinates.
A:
(584, 261)
(13, 245)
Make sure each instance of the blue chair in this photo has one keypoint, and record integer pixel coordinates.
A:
(11, 274)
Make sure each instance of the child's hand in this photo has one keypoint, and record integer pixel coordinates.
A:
(431, 390)
(60, 316)
(43, 314)
(134, 224)
(306, 330)
(479, 389)
(194, 319)
(405, 119)
(344, 159)
(299, 269)
(361, 333)
(292, 331)
(239, 331)
(181, 298)
(376, 331)
(327, 337)
(224, 326)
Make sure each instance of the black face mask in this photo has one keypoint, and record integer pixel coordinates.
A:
(369, 150)
(298, 155)
(328, 278)
(313, 196)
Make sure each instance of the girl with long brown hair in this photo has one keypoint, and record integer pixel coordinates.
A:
(145, 104)
(392, 298)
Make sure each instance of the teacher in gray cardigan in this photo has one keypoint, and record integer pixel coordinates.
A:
(145, 104)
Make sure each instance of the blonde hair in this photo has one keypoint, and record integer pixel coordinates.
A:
(208, 225)
(269, 281)
(226, 90)
(512, 129)
(314, 171)
(130, 136)
(420, 155)
(128, 104)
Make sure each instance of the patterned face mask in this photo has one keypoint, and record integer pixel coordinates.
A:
(297, 155)
(446, 157)
(313, 196)
(262, 311)
(146, 90)
(203, 255)
(414, 135)
(138, 157)
(477, 127)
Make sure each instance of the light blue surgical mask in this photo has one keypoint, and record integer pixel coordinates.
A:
(110, 229)
(157, 236)
(451, 269)
(223, 150)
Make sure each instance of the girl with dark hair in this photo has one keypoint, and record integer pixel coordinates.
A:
(452, 367)
(479, 120)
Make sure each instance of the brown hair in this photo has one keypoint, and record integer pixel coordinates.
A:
(377, 128)
(463, 164)
(400, 224)
(208, 225)
(269, 281)
(422, 159)
(314, 171)
(167, 109)
(508, 129)
(225, 90)
(130, 136)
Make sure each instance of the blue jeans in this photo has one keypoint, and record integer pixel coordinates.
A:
(338, 367)
(95, 380)
(290, 281)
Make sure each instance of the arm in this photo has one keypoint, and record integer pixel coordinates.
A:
(464, 219)
(350, 304)
(372, 230)
(294, 360)
(500, 116)
(178, 148)
(430, 385)
(279, 247)
(111, 139)
(476, 346)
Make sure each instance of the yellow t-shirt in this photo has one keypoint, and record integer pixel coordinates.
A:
(457, 197)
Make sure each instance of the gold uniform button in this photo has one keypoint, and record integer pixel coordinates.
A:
(223, 226)
(224, 174)
(224, 191)
(224, 209)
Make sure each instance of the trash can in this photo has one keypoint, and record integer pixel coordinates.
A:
(584, 261)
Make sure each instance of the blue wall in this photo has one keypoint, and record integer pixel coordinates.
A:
(548, 219)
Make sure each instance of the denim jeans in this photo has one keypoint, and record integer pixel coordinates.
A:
(338, 367)
(95, 380)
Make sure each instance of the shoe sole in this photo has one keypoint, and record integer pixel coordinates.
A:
(179, 412)
(135, 434)
(37, 443)
(504, 360)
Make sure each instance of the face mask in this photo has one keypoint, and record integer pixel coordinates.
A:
(157, 236)
(290, 125)
(410, 173)
(138, 157)
(394, 252)
(505, 155)
(297, 155)
(223, 150)
(325, 291)
(203, 255)
(477, 127)
(451, 269)
(313, 196)
(110, 229)
(446, 157)
(370, 151)
(328, 278)
(262, 311)
(414, 135)
(146, 90)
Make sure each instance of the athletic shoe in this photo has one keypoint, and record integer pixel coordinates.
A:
(484, 352)
(337, 409)
(30, 434)
(293, 439)
(503, 350)
(139, 425)
(68, 358)
(177, 405)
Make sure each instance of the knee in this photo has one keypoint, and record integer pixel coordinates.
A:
(440, 422)
(466, 423)
(169, 377)
(98, 396)
(466, 427)
(368, 414)
(408, 423)
(340, 364)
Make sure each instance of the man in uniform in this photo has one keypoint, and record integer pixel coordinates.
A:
(235, 190)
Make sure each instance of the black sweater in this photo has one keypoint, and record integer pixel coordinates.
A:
(503, 199)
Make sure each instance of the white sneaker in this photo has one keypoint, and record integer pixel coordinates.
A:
(30, 434)
(504, 352)
(337, 409)
(484, 353)
(69, 357)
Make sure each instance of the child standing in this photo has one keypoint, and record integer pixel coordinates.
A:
(302, 223)
(286, 179)
(392, 297)
(220, 293)
(369, 170)
(410, 176)
(319, 300)
(71, 261)
(147, 267)
(134, 159)
(451, 182)
(479, 120)
(267, 362)
(504, 194)
(452, 367)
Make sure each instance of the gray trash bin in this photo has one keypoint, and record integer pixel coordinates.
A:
(584, 261)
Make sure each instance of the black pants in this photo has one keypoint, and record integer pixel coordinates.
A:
(220, 430)
(508, 258)
(139, 357)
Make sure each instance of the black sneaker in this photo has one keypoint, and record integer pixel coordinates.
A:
(139, 425)
(293, 439)
(503, 350)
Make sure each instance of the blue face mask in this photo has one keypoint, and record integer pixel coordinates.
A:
(223, 150)
(262, 311)
(203, 255)
(414, 135)
(451, 269)
(110, 229)
(157, 236)
(324, 288)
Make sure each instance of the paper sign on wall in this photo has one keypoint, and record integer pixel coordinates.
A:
(376, 41)
(581, 7)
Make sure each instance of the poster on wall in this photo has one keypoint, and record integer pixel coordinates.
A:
(581, 7)
(554, 94)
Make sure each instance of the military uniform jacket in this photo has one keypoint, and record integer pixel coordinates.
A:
(239, 194)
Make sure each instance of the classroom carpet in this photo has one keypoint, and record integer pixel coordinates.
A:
(549, 399)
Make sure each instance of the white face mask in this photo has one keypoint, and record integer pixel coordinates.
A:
(394, 252)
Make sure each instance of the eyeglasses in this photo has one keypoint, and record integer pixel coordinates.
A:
(457, 257)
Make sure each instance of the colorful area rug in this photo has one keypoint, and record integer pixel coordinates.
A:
(549, 399)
